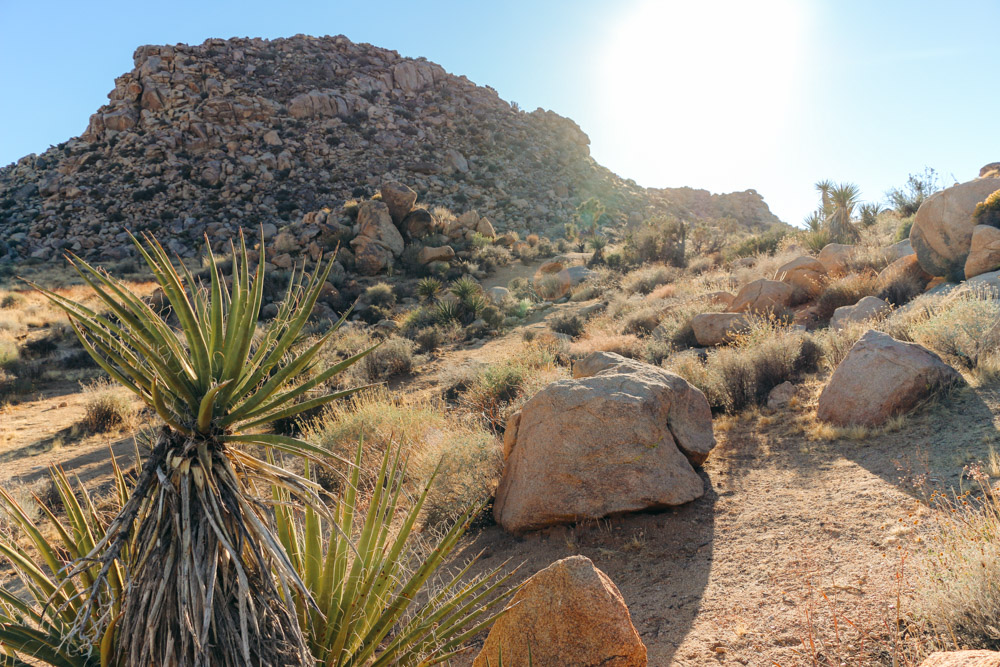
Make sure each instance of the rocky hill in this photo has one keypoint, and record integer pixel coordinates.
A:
(243, 132)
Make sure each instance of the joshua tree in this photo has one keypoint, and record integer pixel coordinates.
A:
(844, 199)
(208, 581)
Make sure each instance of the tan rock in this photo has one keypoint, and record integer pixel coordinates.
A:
(620, 440)
(428, 254)
(984, 251)
(763, 296)
(806, 273)
(485, 227)
(376, 224)
(880, 378)
(902, 268)
(862, 311)
(942, 229)
(399, 198)
(712, 329)
(781, 396)
(835, 257)
(370, 256)
(721, 298)
(962, 659)
(469, 219)
(418, 223)
(570, 613)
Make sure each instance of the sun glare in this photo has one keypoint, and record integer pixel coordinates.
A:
(682, 84)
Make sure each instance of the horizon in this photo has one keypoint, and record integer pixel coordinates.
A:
(767, 97)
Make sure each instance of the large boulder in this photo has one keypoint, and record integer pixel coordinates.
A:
(942, 229)
(428, 254)
(619, 437)
(399, 198)
(862, 311)
(711, 329)
(904, 268)
(984, 251)
(962, 659)
(806, 273)
(835, 257)
(570, 613)
(763, 296)
(879, 378)
(376, 224)
(418, 223)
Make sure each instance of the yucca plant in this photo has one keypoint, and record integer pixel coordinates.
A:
(447, 312)
(40, 609)
(844, 199)
(207, 578)
(358, 607)
(428, 288)
(464, 288)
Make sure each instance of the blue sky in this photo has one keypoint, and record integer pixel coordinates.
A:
(724, 95)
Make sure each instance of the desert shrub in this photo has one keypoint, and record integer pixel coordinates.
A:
(9, 349)
(545, 248)
(499, 389)
(675, 325)
(661, 239)
(551, 286)
(108, 407)
(901, 289)
(741, 375)
(966, 329)
(518, 308)
(493, 316)
(570, 324)
(760, 244)
(429, 339)
(417, 319)
(532, 240)
(647, 278)
(642, 321)
(380, 294)
(393, 357)
(491, 256)
(836, 343)
(522, 288)
(907, 199)
(957, 577)
(12, 300)
(627, 345)
(817, 239)
(866, 259)
(845, 291)
(987, 212)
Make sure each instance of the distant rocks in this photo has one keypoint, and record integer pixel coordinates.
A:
(621, 436)
(880, 378)
(570, 613)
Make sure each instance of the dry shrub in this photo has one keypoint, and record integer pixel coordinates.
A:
(663, 292)
(499, 390)
(958, 578)
(741, 375)
(965, 328)
(846, 291)
(427, 436)
(627, 345)
(647, 278)
(393, 357)
(902, 289)
(108, 407)
(570, 324)
(835, 344)
(9, 350)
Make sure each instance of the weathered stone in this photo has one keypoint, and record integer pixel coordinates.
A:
(781, 396)
(862, 311)
(806, 273)
(497, 294)
(485, 227)
(376, 224)
(984, 251)
(880, 378)
(418, 223)
(942, 229)
(616, 441)
(835, 257)
(904, 268)
(711, 329)
(442, 254)
(570, 613)
(763, 296)
(399, 198)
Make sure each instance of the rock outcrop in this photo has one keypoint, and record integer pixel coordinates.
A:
(231, 134)
(880, 378)
(619, 437)
(942, 229)
(570, 613)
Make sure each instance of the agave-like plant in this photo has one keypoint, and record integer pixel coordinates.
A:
(844, 199)
(207, 577)
(358, 596)
(36, 621)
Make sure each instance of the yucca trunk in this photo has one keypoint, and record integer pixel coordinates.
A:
(200, 589)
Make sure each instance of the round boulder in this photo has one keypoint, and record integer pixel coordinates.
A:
(763, 296)
(862, 311)
(984, 251)
(942, 229)
(418, 223)
(805, 273)
(835, 257)
(880, 378)
(570, 613)
(620, 437)
(711, 329)
(399, 198)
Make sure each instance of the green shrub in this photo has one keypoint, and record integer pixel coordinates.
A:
(817, 240)
(661, 239)
(907, 200)
(988, 211)
(760, 244)
(493, 316)
(903, 230)
(380, 295)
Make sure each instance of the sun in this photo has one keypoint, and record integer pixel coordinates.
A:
(688, 90)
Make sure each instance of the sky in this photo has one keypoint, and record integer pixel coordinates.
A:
(725, 95)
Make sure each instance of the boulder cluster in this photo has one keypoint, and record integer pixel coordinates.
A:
(243, 133)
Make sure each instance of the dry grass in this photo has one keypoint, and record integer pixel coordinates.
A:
(109, 407)
(846, 291)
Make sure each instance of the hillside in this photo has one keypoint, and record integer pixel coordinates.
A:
(240, 132)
